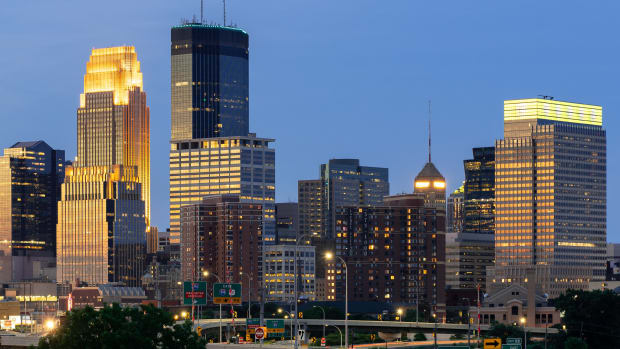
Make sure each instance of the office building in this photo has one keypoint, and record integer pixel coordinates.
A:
(210, 82)
(113, 118)
(287, 223)
(431, 184)
(613, 262)
(454, 211)
(479, 192)
(550, 195)
(395, 252)
(30, 178)
(243, 166)
(212, 151)
(471, 251)
(280, 273)
(101, 226)
(467, 257)
(104, 210)
(222, 235)
(343, 182)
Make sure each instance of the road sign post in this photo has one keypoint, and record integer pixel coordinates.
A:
(511, 346)
(194, 293)
(226, 293)
(259, 333)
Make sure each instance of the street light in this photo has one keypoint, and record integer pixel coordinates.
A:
(399, 311)
(338, 331)
(523, 320)
(329, 256)
(50, 324)
(297, 240)
(280, 311)
(184, 314)
(323, 310)
(435, 330)
(206, 274)
(249, 293)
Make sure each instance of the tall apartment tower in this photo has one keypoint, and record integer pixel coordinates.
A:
(211, 150)
(105, 201)
(222, 235)
(30, 177)
(550, 195)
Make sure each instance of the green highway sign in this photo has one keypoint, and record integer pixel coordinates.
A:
(513, 341)
(455, 347)
(226, 293)
(194, 292)
(511, 346)
(252, 325)
(275, 326)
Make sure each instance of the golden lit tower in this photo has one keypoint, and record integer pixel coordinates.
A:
(113, 118)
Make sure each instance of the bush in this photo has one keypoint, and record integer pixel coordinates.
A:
(575, 343)
(419, 337)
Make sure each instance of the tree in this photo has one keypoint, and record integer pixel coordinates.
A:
(575, 343)
(593, 316)
(502, 331)
(118, 327)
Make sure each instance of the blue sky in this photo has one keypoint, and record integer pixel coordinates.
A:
(346, 78)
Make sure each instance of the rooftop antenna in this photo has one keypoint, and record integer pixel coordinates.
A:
(201, 7)
(224, 1)
(429, 130)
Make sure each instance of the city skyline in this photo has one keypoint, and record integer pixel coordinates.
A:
(480, 105)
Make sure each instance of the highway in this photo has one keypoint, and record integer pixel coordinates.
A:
(378, 325)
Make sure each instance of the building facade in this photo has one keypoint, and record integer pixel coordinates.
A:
(454, 211)
(311, 203)
(30, 177)
(394, 253)
(209, 81)
(287, 223)
(243, 166)
(467, 257)
(550, 195)
(101, 226)
(104, 211)
(222, 235)
(280, 273)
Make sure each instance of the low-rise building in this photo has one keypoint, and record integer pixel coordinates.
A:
(509, 305)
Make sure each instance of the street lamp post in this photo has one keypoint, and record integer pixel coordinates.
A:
(523, 321)
(206, 273)
(280, 310)
(328, 256)
(399, 311)
(295, 292)
(338, 331)
(324, 323)
(249, 293)
(435, 330)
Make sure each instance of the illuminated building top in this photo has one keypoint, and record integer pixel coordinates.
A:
(115, 69)
(429, 177)
(547, 109)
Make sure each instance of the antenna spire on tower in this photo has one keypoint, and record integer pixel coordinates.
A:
(201, 7)
(429, 130)
(224, 1)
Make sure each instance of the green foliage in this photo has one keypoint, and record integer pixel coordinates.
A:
(457, 336)
(575, 343)
(333, 338)
(120, 328)
(593, 316)
(419, 337)
(502, 331)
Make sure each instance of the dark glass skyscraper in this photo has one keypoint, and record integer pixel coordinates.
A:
(209, 82)
(479, 199)
(30, 177)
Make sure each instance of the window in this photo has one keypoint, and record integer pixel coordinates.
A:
(515, 310)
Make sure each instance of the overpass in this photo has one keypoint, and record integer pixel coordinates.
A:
(384, 326)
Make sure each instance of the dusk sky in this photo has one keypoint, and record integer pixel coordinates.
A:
(330, 79)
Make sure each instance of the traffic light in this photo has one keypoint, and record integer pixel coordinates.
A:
(199, 331)
(301, 315)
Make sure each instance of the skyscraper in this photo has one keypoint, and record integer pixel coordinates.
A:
(212, 151)
(105, 202)
(30, 178)
(113, 118)
(454, 211)
(550, 195)
(479, 192)
(210, 82)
